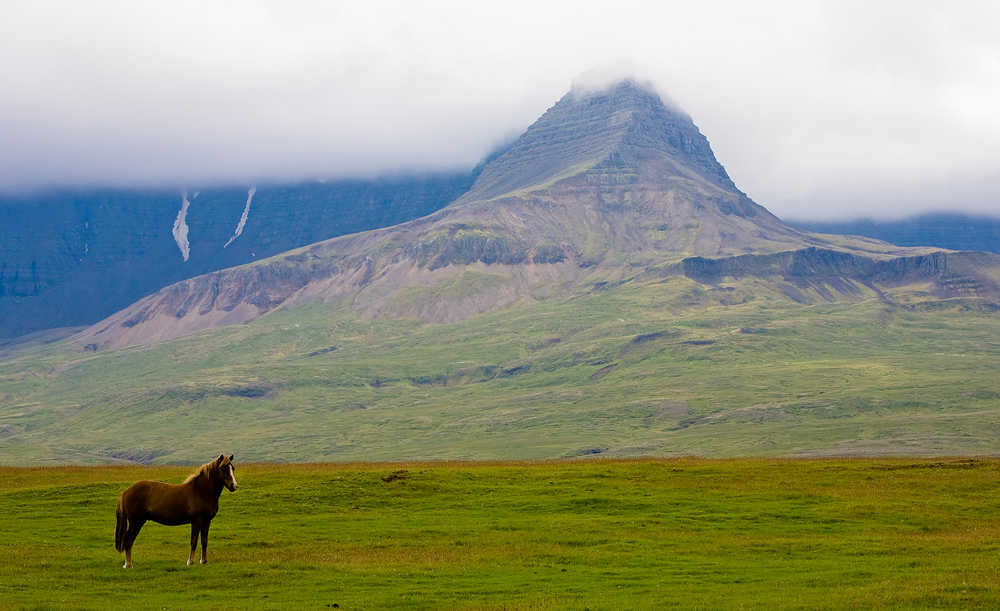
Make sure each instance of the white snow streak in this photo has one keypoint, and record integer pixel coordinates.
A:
(180, 226)
(243, 219)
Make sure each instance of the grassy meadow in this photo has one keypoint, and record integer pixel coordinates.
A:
(661, 368)
(754, 533)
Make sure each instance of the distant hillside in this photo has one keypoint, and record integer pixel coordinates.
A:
(73, 258)
(952, 231)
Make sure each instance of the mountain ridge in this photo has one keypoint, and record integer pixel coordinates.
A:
(945, 230)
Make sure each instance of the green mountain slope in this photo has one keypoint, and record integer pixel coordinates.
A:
(654, 368)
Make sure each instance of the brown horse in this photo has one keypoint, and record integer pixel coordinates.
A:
(194, 502)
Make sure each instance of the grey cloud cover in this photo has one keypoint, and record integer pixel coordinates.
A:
(817, 109)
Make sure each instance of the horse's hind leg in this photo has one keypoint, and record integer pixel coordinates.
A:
(204, 543)
(195, 529)
(134, 526)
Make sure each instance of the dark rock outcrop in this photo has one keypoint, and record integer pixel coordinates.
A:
(951, 274)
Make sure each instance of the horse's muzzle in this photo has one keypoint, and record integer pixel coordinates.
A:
(232, 487)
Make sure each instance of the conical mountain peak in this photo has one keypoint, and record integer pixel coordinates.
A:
(606, 182)
(619, 123)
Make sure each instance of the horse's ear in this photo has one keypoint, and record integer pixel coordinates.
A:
(221, 458)
(230, 458)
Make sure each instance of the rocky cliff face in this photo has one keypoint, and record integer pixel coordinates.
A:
(73, 258)
(607, 186)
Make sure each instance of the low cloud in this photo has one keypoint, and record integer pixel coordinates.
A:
(599, 78)
(817, 109)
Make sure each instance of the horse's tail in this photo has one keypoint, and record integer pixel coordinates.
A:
(122, 526)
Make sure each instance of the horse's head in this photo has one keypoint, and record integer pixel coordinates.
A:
(227, 471)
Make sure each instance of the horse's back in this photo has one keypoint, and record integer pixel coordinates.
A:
(157, 501)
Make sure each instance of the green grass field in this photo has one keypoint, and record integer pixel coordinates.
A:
(594, 534)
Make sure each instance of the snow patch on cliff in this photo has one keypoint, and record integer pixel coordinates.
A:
(180, 230)
(243, 219)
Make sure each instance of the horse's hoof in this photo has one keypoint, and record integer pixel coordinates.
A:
(126, 566)
(190, 563)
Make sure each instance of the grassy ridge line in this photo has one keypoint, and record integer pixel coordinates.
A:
(601, 534)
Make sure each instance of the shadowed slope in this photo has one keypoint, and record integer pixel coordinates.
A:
(944, 230)
(73, 258)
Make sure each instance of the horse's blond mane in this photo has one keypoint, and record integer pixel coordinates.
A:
(202, 470)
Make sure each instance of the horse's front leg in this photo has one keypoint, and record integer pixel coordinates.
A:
(204, 543)
(195, 528)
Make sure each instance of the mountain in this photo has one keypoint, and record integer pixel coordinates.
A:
(72, 258)
(601, 288)
(602, 183)
(605, 187)
(951, 231)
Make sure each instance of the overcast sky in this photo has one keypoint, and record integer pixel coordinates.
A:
(818, 110)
